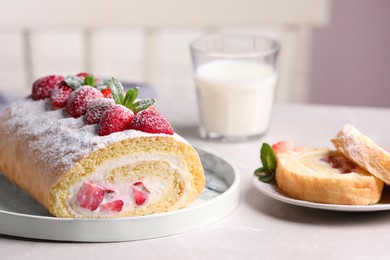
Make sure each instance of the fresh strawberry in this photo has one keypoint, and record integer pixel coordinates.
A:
(88, 78)
(96, 109)
(107, 93)
(90, 196)
(149, 108)
(82, 74)
(104, 87)
(119, 118)
(80, 99)
(60, 95)
(140, 193)
(151, 121)
(115, 119)
(43, 87)
(111, 206)
(152, 108)
(283, 147)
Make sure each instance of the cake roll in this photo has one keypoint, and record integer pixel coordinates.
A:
(74, 172)
(325, 176)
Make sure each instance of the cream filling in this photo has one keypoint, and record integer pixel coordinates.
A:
(156, 186)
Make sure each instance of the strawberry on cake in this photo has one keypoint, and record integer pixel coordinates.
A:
(83, 148)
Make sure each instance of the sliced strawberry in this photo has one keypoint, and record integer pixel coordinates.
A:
(111, 206)
(90, 196)
(151, 121)
(60, 95)
(114, 120)
(339, 162)
(96, 109)
(43, 87)
(283, 147)
(140, 193)
(140, 185)
(80, 99)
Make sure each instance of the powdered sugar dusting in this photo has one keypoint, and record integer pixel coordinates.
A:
(58, 140)
(350, 137)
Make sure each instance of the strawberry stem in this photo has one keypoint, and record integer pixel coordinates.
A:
(130, 97)
(89, 80)
(116, 90)
(141, 104)
(128, 100)
(73, 81)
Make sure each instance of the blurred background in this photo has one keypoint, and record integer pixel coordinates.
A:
(333, 52)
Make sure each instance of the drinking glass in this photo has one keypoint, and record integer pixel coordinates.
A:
(235, 78)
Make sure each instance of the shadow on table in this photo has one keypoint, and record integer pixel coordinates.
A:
(298, 214)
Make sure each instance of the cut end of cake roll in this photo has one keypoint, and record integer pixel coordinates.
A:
(325, 176)
(130, 178)
(364, 152)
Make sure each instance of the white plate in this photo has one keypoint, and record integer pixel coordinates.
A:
(273, 191)
(21, 216)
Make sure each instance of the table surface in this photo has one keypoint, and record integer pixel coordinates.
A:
(260, 227)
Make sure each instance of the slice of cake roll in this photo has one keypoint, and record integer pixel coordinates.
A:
(325, 176)
(364, 152)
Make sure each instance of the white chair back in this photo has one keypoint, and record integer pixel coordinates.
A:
(147, 41)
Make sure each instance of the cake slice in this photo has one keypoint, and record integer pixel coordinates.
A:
(325, 176)
(364, 152)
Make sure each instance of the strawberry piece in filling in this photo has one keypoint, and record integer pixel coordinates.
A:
(90, 196)
(339, 162)
(112, 206)
(106, 198)
(140, 193)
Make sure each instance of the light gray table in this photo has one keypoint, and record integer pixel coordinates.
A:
(260, 227)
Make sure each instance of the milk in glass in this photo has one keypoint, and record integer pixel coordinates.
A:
(235, 96)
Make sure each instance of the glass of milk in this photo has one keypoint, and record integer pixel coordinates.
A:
(235, 78)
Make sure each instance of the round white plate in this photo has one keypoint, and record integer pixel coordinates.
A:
(21, 216)
(273, 191)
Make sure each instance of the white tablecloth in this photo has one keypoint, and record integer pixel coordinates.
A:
(260, 227)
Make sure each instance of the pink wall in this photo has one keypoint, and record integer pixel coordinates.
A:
(351, 57)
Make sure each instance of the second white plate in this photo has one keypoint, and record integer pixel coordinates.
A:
(273, 191)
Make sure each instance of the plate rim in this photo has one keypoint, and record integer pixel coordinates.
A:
(230, 194)
(277, 195)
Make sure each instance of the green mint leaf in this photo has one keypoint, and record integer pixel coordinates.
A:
(267, 178)
(142, 104)
(116, 90)
(260, 171)
(130, 97)
(73, 81)
(266, 173)
(267, 157)
(89, 80)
